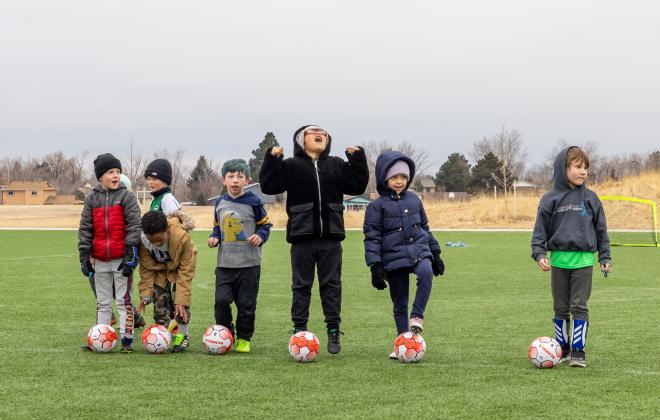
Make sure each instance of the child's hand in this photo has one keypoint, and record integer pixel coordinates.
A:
(87, 268)
(378, 276)
(180, 311)
(213, 242)
(143, 303)
(606, 268)
(254, 240)
(351, 149)
(544, 264)
(277, 151)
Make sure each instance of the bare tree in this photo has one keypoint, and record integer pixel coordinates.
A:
(508, 147)
(78, 168)
(373, 149)
(135, 163)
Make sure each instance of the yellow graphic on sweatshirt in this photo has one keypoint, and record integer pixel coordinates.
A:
(232, 228)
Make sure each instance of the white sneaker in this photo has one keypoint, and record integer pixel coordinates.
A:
(393, 356)
(416, 325)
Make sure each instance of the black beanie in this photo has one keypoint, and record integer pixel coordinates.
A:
(103, 163)
(160, 169)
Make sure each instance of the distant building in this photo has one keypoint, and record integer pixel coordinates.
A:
(22, 193)
(525, 188)
(428, 184)
(355, 203)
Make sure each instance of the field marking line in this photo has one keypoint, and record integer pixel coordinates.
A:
(37, 256)
(283, 229)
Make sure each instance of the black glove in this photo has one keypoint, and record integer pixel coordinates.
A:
(86, 267)
(438, 265)
(378, 276)
(129, 262)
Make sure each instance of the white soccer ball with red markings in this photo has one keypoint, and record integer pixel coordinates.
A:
(217, 339)
(156, 339)
(304, 346)
(544, 353)
(409, 347)
(102, 338)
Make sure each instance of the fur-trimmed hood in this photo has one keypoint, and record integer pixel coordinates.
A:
(181, 219)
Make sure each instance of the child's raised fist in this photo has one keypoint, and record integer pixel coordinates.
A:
(277, 151)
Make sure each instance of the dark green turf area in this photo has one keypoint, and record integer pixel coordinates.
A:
(483, 314)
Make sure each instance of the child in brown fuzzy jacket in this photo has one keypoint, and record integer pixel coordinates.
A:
(167, 267)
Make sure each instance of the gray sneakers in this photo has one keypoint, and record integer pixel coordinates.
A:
(578, 359)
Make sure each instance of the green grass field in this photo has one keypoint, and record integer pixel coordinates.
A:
(483, 314)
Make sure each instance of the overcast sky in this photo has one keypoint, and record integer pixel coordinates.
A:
(211, 77)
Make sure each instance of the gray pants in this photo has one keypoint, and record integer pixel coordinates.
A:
(108, 280)
(570, 292)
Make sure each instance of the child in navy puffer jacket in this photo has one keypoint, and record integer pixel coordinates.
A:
(397, 240)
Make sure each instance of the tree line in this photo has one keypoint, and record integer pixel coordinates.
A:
(499, 160)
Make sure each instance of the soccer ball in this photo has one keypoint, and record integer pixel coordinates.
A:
(102, 338)
(409, 347)
(544, 352)
(304, 346)
(156, 339)
(217, 339)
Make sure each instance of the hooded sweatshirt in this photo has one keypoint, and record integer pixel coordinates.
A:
(396, 229)
(236, 219)
(570, 218)
(315, 188)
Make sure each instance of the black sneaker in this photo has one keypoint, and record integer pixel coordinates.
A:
(127, 345)
(334, 344)
(86, 348)
(297, 330)
(565, 354)
(578, 359)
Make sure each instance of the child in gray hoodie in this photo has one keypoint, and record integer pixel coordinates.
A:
(570, 223)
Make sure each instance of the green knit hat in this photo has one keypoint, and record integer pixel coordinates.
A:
(236, 165)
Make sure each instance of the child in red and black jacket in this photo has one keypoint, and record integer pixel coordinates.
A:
(109, 233)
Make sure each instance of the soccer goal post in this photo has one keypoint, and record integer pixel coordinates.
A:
(631, 221)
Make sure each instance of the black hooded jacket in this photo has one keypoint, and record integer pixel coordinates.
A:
(315, 189)
(570, 219)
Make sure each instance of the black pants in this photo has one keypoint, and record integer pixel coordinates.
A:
(325, 255)
(239, 285)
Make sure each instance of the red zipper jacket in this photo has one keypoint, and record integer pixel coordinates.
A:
(110, 221)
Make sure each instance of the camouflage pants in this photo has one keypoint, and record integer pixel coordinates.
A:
(164, 305)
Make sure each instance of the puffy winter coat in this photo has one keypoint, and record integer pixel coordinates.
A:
(180, 270)
(110, 221)
(396, 229)
(315, 189)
